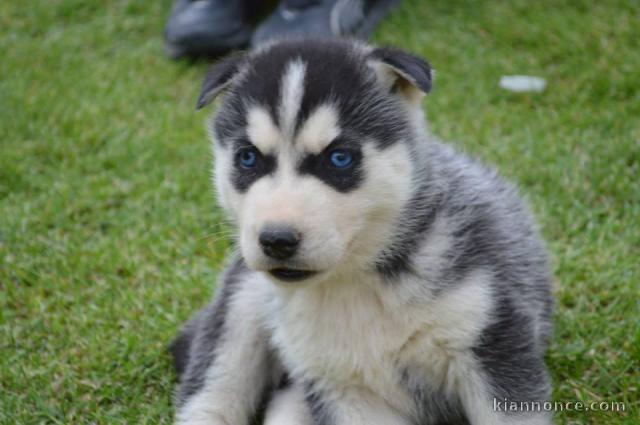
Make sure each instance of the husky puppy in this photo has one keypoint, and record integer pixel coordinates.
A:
(383, 278)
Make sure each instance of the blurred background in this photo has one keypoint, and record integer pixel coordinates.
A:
(109, 232)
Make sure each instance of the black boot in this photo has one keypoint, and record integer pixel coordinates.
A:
(322, 18)
(206, 27)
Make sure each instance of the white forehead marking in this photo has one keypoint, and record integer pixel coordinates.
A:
(319, 129)
(261, 129)
(291, 96)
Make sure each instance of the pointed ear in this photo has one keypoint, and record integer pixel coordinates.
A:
(402, 72)
(218, 77)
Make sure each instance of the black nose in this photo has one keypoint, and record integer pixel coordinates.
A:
(279, 241)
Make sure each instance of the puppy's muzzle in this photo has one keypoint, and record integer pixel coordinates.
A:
(279, 241)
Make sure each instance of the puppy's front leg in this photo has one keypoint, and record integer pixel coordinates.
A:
(288, 407)
(481, 409)
(225, 379)
(352, 407)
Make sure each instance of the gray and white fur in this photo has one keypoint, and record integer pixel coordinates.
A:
(382, 277)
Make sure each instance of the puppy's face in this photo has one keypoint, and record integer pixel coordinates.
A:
(312, 155)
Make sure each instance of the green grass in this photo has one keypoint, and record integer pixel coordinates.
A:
(109, 233)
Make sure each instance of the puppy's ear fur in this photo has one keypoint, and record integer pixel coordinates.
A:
(402, 72)
(218, 77)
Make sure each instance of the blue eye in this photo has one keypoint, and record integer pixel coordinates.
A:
(341, 158)
(247, 158)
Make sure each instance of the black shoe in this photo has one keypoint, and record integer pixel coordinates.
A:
(322, 18)
(206, 28)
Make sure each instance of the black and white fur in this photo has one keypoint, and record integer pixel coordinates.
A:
(431, 294)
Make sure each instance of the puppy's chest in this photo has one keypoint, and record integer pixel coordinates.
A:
(361, 336)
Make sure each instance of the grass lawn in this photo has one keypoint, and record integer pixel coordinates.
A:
(109, 233)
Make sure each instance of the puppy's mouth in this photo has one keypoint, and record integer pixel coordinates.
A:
(291, 275)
